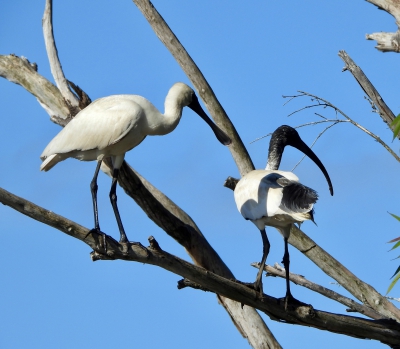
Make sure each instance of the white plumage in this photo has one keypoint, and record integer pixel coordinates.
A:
(111, 126)
(276, 198)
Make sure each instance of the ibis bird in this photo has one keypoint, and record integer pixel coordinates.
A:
(276, 198)
(113, 125)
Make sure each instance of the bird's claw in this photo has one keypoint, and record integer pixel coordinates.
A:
(289, 300)
(127, 243)
(256, 286)
(103, 243)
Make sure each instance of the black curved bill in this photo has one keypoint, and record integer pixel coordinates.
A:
(221, 135)
(300, 145)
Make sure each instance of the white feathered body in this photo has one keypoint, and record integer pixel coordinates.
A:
(260, 198)
(108, 127)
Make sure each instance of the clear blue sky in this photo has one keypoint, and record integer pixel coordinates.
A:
(53, 296)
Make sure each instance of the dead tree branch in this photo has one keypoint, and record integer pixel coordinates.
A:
(387, 42)
(55, 65)
(384, 111)
(387, 332)
(21, 72)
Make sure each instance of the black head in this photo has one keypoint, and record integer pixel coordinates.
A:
(286, 135)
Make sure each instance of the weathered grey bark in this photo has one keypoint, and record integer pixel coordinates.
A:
(387, 42)
(20, 71)
(51, 49)
(384, 111)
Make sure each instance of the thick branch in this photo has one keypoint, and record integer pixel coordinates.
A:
(385, 331)
(168, 38)
(384, 111)
(20, 71)
(55, 65)
(387, 41)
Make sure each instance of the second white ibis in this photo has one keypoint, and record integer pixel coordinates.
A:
(276, 198)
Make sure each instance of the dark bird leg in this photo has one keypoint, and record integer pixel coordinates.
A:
(286, 263)
(93, 190)
(258, 283)
(113, 197)
(289, 299)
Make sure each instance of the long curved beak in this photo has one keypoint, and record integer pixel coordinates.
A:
(221, 135)
(304, 148)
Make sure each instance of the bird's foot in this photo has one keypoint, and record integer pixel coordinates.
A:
(256, 286)
(125, 246)
(103, 243)
(291, 302)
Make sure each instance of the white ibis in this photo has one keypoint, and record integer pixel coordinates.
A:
(111, 126)
(276, 198)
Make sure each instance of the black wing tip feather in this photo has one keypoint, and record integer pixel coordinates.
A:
(298, 196)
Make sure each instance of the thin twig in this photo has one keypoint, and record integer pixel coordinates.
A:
(303, 93)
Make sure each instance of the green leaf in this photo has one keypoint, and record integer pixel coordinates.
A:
(396, 124)
(395, 246)
(398, 269)
(393, 215)
(393, 283)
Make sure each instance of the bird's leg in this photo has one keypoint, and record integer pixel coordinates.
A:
(286, 263)
(113, 198)
(258, 283)
(289, 299)
(93, 190)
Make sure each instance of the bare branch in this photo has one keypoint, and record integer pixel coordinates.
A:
(55, 64)
(384, 111)
(168, 38)
(20, 71)
(279, 271)
(387, 42)
(385, 331)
